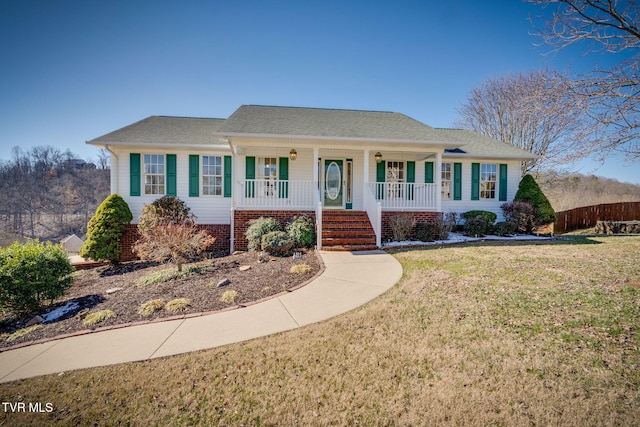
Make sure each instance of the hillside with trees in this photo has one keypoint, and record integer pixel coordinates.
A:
(568, 191)
(49, 194)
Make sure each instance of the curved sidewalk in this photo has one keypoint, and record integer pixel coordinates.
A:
(349, 280)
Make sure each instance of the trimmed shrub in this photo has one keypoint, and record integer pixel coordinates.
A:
(426, 232)
(302, 231)
(105, 229)
(277, 243)
(258, 228)
(522, 216)
(489, 217)
(505, 228)
(401, 226)
(529, 191)
(31, 273)
(477, 226)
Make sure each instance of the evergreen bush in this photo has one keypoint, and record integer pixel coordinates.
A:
(105, 229)
(530, 192)
(489, 217)
(302, 231)
(258, 228)
(277, 243)
(31, 273)
(477, 226)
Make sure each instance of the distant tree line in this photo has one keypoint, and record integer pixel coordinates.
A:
(48, 194)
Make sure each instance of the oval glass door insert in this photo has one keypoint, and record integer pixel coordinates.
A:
(332, 181)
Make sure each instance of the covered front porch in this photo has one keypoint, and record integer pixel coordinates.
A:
(321, 179)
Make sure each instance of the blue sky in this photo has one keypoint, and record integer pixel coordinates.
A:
(74, 70)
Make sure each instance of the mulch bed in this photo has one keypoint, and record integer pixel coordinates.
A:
(89, 291)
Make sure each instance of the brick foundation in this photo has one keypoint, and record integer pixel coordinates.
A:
(222, 233)
(241, 220)
(427, 217)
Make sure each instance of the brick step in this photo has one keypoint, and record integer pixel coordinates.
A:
(350, 248)
(361, 232)
(332, 241)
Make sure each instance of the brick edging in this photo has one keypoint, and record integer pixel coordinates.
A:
(170, 318)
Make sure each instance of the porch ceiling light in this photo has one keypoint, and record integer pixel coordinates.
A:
(378, 157)
(293, 154)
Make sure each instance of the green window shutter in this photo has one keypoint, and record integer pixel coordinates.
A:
(283, 175)
(428, 172)
(134, 174)
(250, 173)
(503, 182)
(228, 177)
(475, 181)
(194, 175)
(457, 181)
(381, 176)
(411, 178)
(171, 175)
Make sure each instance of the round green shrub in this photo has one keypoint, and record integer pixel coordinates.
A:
(277, 243)
(302, 231)
(105, 229)
(31, 273)
(505, 228)
(529, 191)
(258, 228)
(489, 217)
(477, 226)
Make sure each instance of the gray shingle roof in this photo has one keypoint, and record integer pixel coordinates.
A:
(167, 130)
(331, 123)
(478, 145)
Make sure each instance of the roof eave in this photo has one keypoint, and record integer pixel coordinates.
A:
(341, 138)
(103, 144)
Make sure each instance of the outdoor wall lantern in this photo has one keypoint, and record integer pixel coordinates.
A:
(378, 157)
(293, 154)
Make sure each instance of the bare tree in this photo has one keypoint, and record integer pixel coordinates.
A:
(613, 94)
(535, 112)
(177, 242)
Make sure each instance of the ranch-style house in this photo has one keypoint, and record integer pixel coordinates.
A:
(350, 170)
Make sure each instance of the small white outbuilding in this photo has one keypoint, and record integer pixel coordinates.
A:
(71, 244)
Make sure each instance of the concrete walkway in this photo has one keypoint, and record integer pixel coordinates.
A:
(350, 279)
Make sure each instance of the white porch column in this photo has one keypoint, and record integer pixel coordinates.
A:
(316, 154)
(438, 180)
(365, 167)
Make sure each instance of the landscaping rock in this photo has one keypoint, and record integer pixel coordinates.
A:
(34, 321)
(244, 267)
(223, 282)
(112, 290)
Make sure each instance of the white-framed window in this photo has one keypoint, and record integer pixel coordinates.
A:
(488, 180)
(446, 178)
(212, 175)
(154, 173)
(395, 179)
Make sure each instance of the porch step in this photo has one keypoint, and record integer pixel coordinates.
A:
(347, 231)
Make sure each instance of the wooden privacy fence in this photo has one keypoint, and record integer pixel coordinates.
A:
(586, 217)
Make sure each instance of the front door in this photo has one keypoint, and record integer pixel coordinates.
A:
(333, 184)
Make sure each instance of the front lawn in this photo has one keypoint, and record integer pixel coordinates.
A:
(484, 333)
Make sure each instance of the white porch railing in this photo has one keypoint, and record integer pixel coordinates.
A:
(275, 193)
(318, 203)
(404, 195)
(374, 210)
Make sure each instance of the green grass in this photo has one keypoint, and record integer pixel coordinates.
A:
(475, 334)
